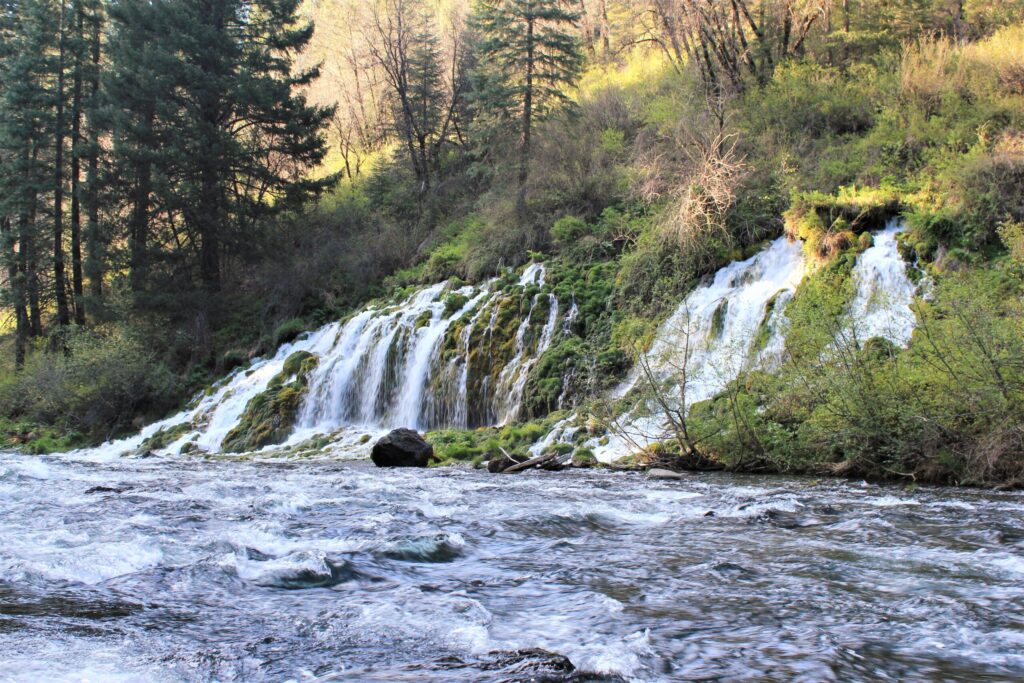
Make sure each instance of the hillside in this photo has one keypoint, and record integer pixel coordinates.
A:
(171, 214)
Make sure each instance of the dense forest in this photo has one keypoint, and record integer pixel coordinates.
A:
(187, 184)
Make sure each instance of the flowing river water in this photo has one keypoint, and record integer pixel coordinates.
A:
(218, 569)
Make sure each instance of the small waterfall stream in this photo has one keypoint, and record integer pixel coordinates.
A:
(737, 323)
(882, 306)
(462, 356)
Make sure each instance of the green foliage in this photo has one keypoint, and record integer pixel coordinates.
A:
(164, 438)
(948, 409)
(95, 388)
(454, 445)
(288, 331)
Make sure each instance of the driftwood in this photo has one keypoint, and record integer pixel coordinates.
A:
(546, 461)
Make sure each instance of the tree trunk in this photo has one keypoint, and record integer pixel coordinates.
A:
(59, 290)
(138, 223)
(94, 252)
(30, 267)
(76, 169)
(527, 121)
(16, 283)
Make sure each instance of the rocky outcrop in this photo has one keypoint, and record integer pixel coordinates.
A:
(270, 416)
(402, 448)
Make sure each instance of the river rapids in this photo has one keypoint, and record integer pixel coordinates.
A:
(176, 569)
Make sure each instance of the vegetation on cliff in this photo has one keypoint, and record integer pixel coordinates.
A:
(143, 259)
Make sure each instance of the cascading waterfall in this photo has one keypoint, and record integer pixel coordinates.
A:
(462, 356)
(426, 362)
(734, 323)
(737, 323)
(882, 305)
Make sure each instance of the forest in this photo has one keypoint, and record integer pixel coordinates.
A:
(185, 185)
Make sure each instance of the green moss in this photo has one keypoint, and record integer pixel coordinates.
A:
(288, 331)
(270, 416)
(164, 438)
(718, 319)
(454, 303)
(423, 320)
(829, 223)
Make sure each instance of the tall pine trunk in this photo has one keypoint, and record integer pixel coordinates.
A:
(16, 283)
(60, 292)
(527, 122)
(94, 251)
(138, 222)
(76, 171)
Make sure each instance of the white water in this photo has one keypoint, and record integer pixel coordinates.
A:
(423, 363)
(725, 328)
(882, 306)
(384, 368)
(712, 336)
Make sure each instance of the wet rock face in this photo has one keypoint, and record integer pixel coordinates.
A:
(402, 448)
(533, 664)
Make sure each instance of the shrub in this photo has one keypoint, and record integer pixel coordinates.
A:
(288, 331)
(97, 387)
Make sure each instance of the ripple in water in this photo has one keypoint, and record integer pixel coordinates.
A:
(161, 570)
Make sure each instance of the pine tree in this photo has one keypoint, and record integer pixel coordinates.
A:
(134, 85)
(25, 136)
(244, 132)
(528, 58)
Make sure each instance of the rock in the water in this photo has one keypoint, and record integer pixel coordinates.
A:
(402, 448)
(663, 474)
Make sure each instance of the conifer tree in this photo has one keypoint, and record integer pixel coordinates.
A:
(529, 57)
(245, 133)
(25, 135)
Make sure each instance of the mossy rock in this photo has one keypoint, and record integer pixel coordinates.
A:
(300, 364)
(288, 331)
(270, 416)
(423, 320)
(584, 457)
(454, 303)
(163, 438)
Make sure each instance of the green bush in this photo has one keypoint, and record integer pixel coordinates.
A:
(288, 331)
(96, 387)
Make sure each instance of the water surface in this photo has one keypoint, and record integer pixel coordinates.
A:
(199, 570)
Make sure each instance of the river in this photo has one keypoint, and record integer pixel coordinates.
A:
(178, 569)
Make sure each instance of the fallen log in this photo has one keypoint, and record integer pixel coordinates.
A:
(540, 460)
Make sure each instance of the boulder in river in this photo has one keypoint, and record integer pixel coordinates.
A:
(658, 473)
(402, 448)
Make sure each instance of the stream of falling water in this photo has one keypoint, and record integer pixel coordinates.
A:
(435, 358)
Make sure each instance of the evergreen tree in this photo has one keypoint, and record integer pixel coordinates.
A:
(209, 128)
(528, 58)
(136, 84)
(25, 136)
(244, 134)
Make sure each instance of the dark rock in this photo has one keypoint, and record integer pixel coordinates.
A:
(658, 473)
(532, 664)
(106, 489)
(787, 520)
(709, 513)
(402, 448)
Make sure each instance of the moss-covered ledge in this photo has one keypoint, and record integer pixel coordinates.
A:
(829, 224)
(270, 416)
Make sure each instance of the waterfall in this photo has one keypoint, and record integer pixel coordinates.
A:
(882, 305)
(425, 362)
(462, 357)
(734, 323)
